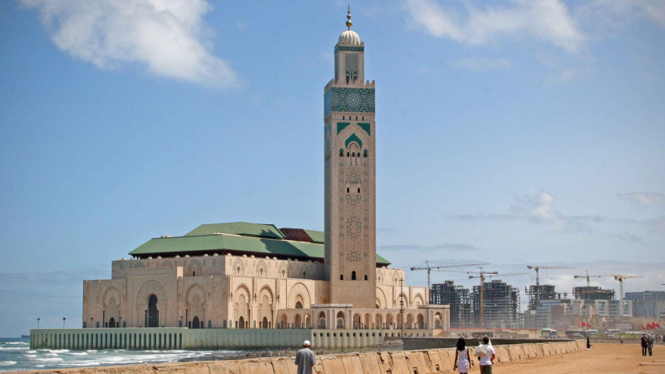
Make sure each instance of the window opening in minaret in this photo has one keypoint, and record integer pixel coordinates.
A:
(348, 190)
(365, 153)
(365, 276)
(353, 275)
(358, 189)
(341, 277)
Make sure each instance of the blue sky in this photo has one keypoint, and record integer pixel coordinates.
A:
(517, 133)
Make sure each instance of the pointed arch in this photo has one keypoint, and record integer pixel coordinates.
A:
(381, 298)
(296, 290)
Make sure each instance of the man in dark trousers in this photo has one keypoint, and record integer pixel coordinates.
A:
(305, 359)
(645, 344)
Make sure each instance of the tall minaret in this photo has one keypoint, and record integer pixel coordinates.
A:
(350, 183)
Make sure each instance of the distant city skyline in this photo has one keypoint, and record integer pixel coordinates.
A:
(515, 133)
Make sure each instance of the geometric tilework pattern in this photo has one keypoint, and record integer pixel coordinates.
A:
(351, 64)
(342, 99)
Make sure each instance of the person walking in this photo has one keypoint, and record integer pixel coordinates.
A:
(305, 359)
(462, 358)
(650, 343)
(487, 360)
(644, 343)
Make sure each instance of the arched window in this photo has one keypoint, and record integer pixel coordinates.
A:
(365, 276)
(341, 277)
(341, 153)
(304, 274)
(283, 273)
(353, 275)
(260, 272)
(348, 190)
(238, 270)
(365, 153)
(347, 154)
(193, 274)
(358, 189)
(298, 305)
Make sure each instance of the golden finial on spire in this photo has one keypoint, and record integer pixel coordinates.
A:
(348, 18)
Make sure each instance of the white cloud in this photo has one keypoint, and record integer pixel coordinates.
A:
(643, 199)
(538, 209)
(547, 20)
(482, 63)
(623, 11)
(166, 37)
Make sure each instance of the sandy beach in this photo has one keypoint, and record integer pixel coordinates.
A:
(604, 358)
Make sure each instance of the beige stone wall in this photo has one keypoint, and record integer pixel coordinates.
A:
(219, 291)
(231, 292)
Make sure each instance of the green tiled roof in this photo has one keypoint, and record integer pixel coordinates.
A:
(317, 236)
(244, 237)
(239, 228)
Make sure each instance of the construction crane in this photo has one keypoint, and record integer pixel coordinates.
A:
(481, 275)
(429, 270)
(537, 269)
(588, 277)
(621, 278)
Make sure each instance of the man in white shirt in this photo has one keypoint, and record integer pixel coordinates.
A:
(487, 360)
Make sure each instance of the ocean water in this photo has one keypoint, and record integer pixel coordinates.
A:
(16, 355)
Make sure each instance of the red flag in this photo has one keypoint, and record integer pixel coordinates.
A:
(658, 325)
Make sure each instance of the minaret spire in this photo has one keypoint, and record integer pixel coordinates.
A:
(348, 18)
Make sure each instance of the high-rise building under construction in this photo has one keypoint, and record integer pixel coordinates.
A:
(448, 293)
(501, 305)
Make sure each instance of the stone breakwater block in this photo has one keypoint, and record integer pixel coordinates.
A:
(514, 353)
(286, 366)
(447, 357)
(370, 363)
(352, 364)
(501, 354)
(189, 368)
(332, 364)
(435, 360)
(417, 361)
(384, 360)
(400, 365)
(256, 367)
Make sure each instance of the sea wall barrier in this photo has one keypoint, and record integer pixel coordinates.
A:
(445, 342)
(169, 338)
(396, 362)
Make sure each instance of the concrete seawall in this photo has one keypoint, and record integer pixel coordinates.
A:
(184, 338)
(399, 362)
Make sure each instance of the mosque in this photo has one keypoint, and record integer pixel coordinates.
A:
(257, 276)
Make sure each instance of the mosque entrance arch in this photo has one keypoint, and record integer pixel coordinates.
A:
(153, 313)
(196, 323)
(241, 323)
(112, 322)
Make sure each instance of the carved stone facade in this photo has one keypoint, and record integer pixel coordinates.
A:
(228, 291)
